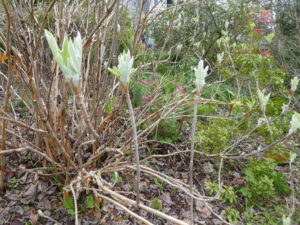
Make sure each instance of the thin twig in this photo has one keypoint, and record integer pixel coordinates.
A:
(75, 204)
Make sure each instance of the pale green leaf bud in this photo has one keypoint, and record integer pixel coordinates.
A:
(179, 47)
(294, 84)
(286, 220)
(200, 74)
(69, 57)
(292, 157)
(124, 69)
(263, 99)
(220, 57)
(295, 123)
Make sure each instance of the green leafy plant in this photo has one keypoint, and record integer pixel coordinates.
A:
(167, 130)
(212, 188)
(214, 136)
(207, 109)
(159, 184)
(263, 181)
(91, 202)
(13, 183)
(228, 193)
(69, 205)
(232, 215)
(264, 215)
(156, 204)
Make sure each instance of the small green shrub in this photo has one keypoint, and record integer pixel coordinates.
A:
(263, 181)
(168, 130)
(232, 215)
(227, 193)
(215, 136)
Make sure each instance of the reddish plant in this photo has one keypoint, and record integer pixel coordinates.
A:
(143, 82)
(264, 54)
(180, 89)
(266, 16)
(146, 98)
(257, 31)
(238, 181)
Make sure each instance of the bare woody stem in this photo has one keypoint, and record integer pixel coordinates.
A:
(192, 152)
(80, 99)
(136, 146)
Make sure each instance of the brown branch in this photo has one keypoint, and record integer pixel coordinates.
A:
(7, 93)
